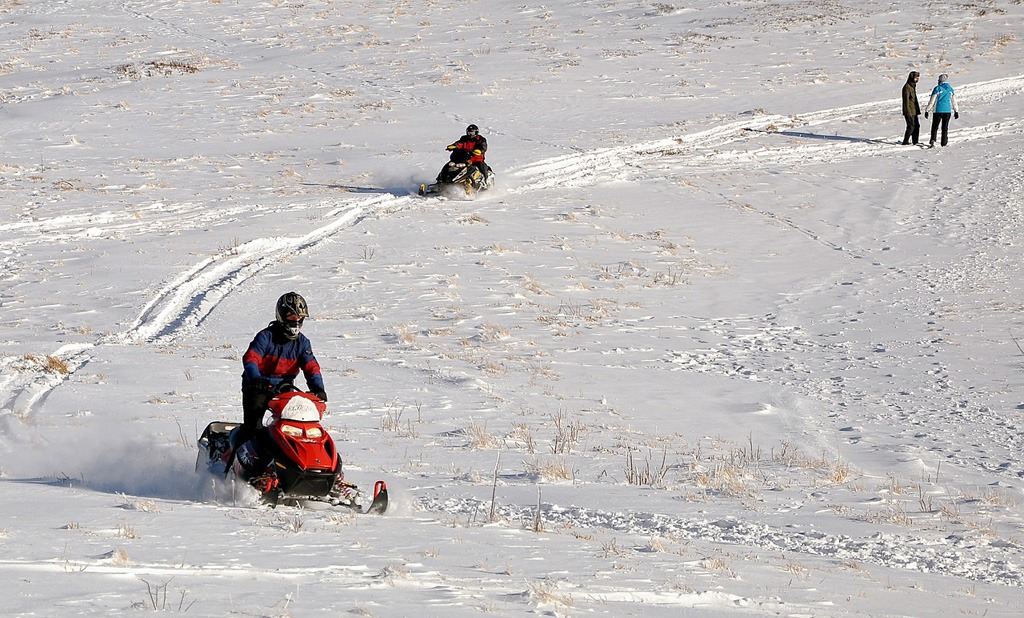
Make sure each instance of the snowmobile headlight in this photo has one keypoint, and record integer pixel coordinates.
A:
(314, 432)
(289, 430)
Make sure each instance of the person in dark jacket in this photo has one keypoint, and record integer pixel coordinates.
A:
(476, 145)
(911, 109)
(277, 355)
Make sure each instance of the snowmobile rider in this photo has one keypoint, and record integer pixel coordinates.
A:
(476, 145)
(276, 355)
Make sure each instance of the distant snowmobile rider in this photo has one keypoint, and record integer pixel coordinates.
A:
(476, 145)
(276, 355)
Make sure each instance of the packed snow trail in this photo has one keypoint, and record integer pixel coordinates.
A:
(703, 151)
(178, 307)
(955, 555)
(182, 304)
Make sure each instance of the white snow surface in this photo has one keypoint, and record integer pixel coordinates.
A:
(716, 344)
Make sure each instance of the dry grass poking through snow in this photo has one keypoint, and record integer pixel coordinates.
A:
(46, 364)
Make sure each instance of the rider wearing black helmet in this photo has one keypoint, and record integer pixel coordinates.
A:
(277, 354)
(476, 145)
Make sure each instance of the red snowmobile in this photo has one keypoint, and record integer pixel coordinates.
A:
(290, 461)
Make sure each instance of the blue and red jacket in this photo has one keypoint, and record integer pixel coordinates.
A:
(271, 355)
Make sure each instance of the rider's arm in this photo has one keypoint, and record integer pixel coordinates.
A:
(310, 366)
(253, 358)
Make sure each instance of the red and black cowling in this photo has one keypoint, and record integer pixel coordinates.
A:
(307, 461)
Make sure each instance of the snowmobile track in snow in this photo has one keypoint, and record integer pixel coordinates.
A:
(704, 151)
(184, 302)
(179, 306)
(953, 556)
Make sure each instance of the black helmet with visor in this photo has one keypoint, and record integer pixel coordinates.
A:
(290, 312)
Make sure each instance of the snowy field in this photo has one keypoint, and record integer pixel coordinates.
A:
(716, 344)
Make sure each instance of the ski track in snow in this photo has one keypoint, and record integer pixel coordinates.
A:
(181, 305)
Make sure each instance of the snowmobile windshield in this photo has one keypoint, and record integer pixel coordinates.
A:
(460, 156)
(297, 406)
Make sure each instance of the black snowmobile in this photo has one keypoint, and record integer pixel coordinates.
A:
(459, 178)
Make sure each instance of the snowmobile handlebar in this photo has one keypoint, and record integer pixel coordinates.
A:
(279, 386)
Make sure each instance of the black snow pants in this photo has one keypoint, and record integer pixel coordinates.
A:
(913, 132)
(940, 119)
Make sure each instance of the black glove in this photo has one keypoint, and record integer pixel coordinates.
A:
(926, 114)
(319, 393)
(956, 115)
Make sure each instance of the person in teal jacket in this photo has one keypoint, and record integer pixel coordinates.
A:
(943, 105)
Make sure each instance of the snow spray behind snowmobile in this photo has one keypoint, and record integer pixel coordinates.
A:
(458, 178)
(290, 461)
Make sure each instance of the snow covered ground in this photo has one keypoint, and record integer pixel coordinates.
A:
(716, 345)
